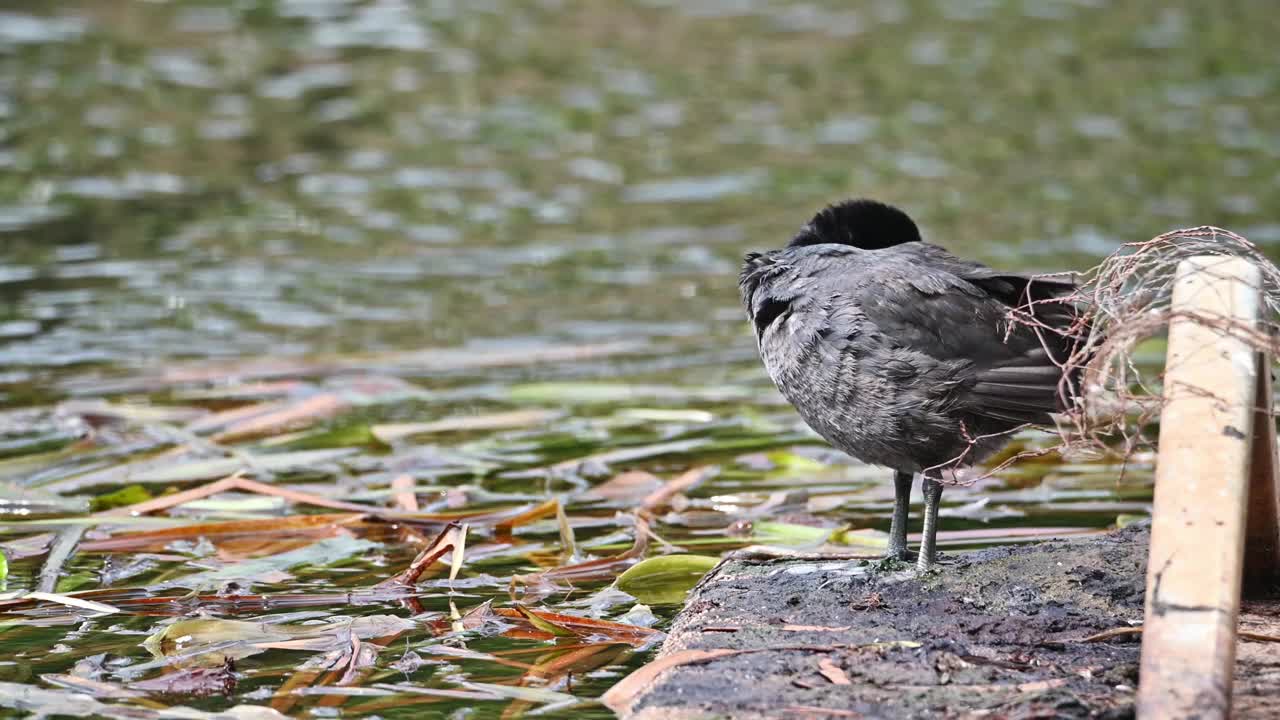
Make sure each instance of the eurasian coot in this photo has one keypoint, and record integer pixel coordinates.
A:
(903, 355)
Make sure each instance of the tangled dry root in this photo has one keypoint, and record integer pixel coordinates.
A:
(1123, 301)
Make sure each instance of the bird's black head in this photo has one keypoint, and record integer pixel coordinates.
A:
(862, 223)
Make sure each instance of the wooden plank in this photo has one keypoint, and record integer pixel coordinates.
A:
(1198, 522)
(1262, 527)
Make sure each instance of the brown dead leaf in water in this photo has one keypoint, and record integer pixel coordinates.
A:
(544, 509)
(686, 480)
(627, 488)
(239, 549)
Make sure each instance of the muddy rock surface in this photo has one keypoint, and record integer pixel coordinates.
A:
(999, 633)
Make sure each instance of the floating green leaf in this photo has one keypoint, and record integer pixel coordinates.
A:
(129, 495)
(793, 463)
(789, 534)
(866, 537)
(1124, 520)
(357, 435)
(666, 579)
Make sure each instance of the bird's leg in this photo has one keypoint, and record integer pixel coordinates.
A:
(898, 526)
(929, 538)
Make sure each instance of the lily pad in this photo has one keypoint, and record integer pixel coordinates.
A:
(666, 579)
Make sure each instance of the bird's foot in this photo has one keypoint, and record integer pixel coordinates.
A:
(901, 553)
(926, 566)
(895, 560)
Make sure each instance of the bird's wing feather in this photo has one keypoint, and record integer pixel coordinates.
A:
(924, 300)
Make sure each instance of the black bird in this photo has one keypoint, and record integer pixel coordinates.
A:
(901, 354)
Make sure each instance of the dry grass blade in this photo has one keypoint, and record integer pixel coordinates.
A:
(537, 512)
(568, 544)
(291, 416)
(292, 525)
(459, 553)
(390, 432)
(128, 600)
(662, 496)
(75, 602)
(234, 482)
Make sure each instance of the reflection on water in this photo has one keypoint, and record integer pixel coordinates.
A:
(187, 179)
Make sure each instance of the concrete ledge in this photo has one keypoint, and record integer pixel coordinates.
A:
(997, 633)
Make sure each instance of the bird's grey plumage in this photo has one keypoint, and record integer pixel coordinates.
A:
(896, 351)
